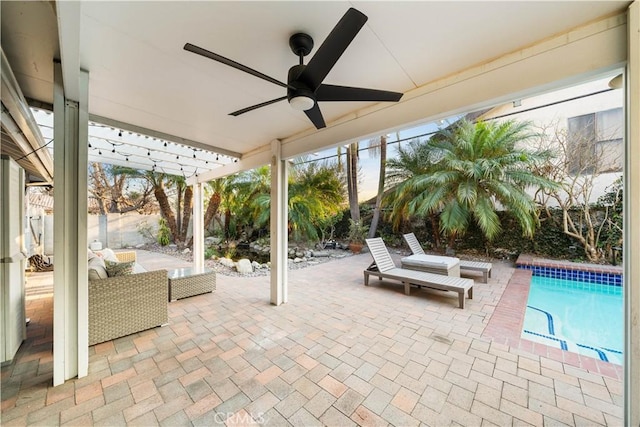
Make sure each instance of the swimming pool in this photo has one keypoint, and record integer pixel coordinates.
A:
(579, 316)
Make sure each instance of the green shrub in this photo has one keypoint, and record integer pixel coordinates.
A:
(164, 234)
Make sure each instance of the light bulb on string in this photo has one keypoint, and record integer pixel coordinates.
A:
(148, 153)
(165, 143)
(89, 145)
(99, 153)
(120, 134)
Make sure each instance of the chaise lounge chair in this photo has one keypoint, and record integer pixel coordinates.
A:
(483, 267)
(384, 267)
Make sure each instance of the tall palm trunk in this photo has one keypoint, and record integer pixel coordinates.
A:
(179, 189)
(186, 212)
(352, 180)
(376, 209)
(212, 209)
(165, 208)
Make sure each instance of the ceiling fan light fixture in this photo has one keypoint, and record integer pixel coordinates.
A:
(302, 103)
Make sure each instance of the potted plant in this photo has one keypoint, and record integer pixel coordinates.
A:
(357, 235)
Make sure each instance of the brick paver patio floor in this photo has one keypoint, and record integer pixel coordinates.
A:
(338, 354)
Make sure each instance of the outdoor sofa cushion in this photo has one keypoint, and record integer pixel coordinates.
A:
(97, 269)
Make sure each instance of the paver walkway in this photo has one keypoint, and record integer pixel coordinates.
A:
(338, 353)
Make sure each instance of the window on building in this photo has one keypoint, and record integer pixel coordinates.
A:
(595, 142)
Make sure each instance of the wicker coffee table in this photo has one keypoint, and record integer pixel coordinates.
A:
(186, 282)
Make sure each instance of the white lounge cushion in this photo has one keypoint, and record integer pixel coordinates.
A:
(431, 261)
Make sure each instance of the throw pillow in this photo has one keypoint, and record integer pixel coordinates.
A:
(97, 269)
(108, 255)
(119, 268)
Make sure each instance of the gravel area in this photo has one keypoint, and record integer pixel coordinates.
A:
(334, 254)
(220, 268)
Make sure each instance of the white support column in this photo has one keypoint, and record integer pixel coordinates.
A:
(198, 228)
(279, 225)
(632, 224)
(70, 281)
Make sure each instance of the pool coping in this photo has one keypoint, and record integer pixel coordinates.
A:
(505, 325)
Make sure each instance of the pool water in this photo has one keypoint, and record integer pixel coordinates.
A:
(580, 317)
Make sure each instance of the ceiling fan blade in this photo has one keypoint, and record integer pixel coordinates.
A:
(254, 107)
(346, 93)
(315, 116)
(207, 54)
(333, 47)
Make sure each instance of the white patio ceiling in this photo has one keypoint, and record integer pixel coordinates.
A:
(140, 74)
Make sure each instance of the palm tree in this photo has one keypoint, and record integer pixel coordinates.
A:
(378, 147)
(466, 173)
(352, 180)
(316, 192)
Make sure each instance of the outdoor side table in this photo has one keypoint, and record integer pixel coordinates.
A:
(186, 282)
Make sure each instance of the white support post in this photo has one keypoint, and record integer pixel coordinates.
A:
(632, 224)
(279, 229)
(70, 281)
(198, 228)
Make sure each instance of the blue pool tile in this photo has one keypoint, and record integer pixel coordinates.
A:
(575, 275)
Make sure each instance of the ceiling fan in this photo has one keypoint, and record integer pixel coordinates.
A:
(304, 83)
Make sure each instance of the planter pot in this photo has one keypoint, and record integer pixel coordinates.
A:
(356, 248)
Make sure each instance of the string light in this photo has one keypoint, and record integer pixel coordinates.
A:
(89, 145)
(120, 134)
(148, 153)
(165, 143)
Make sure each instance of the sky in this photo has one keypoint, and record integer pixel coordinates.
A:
(369, 162)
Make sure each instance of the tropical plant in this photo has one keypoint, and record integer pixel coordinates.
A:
(163, 232)
(467, 172)
(357, 232)
(316, 192)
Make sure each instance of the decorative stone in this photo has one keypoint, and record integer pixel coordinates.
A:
(297, 260)
(186, 251)
(227, 262)
(256, 265)
(141, 245)
(243, 266)
(321, 254)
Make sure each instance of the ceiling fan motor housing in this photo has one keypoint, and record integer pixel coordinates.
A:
(301, 88)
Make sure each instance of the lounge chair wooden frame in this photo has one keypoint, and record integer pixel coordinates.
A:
(483, 267)
(384, 267)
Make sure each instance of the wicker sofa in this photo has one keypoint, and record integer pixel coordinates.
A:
(124, 305)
